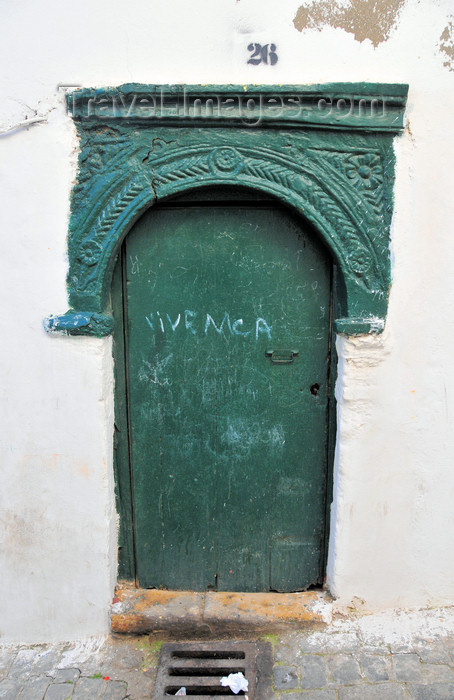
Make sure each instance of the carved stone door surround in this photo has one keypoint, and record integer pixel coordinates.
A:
(324, 150)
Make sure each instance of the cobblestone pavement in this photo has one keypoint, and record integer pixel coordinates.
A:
(343, 667)
(334, 663)
(111, 669)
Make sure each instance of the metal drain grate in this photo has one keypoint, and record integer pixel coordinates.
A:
(199, 667)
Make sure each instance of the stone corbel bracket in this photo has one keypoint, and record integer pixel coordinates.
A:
(324, 150)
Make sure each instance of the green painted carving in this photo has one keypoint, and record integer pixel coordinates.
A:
(336, 170)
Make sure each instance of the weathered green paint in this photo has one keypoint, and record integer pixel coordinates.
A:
(228, 449)
(362, 106)
(358, 326)
(81, 323)
(333, 166)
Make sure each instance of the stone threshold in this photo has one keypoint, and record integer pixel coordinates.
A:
(144, 611)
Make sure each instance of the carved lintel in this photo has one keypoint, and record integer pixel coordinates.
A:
(363, 106)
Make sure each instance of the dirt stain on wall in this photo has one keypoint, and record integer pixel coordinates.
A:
(447, 45)
(365, 19)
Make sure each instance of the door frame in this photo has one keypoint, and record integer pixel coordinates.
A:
(122, 451)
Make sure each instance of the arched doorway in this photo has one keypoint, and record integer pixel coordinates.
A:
(223, 307)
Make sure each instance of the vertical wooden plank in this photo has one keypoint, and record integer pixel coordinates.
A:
(126, 566)
(172, 404)
(278, 425)
(336, 312)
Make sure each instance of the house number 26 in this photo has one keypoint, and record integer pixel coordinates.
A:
(262, 54)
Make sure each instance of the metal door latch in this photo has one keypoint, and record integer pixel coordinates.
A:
(281, 357)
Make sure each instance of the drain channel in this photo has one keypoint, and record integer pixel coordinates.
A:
(200, 667)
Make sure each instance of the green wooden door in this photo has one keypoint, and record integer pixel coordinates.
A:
(227, 337)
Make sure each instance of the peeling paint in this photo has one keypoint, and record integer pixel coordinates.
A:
(365, 19)
(447, 45)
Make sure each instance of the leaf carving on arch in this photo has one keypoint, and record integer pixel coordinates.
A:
(96, 239)
(340, 192)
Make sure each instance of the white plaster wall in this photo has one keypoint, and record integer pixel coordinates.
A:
(392, 530)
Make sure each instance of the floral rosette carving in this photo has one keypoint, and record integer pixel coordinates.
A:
(225, 161)
(88, 256)
(364, 171)
(89, 253)
(358, 258)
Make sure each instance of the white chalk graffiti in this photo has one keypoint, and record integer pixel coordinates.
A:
(202, 324)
